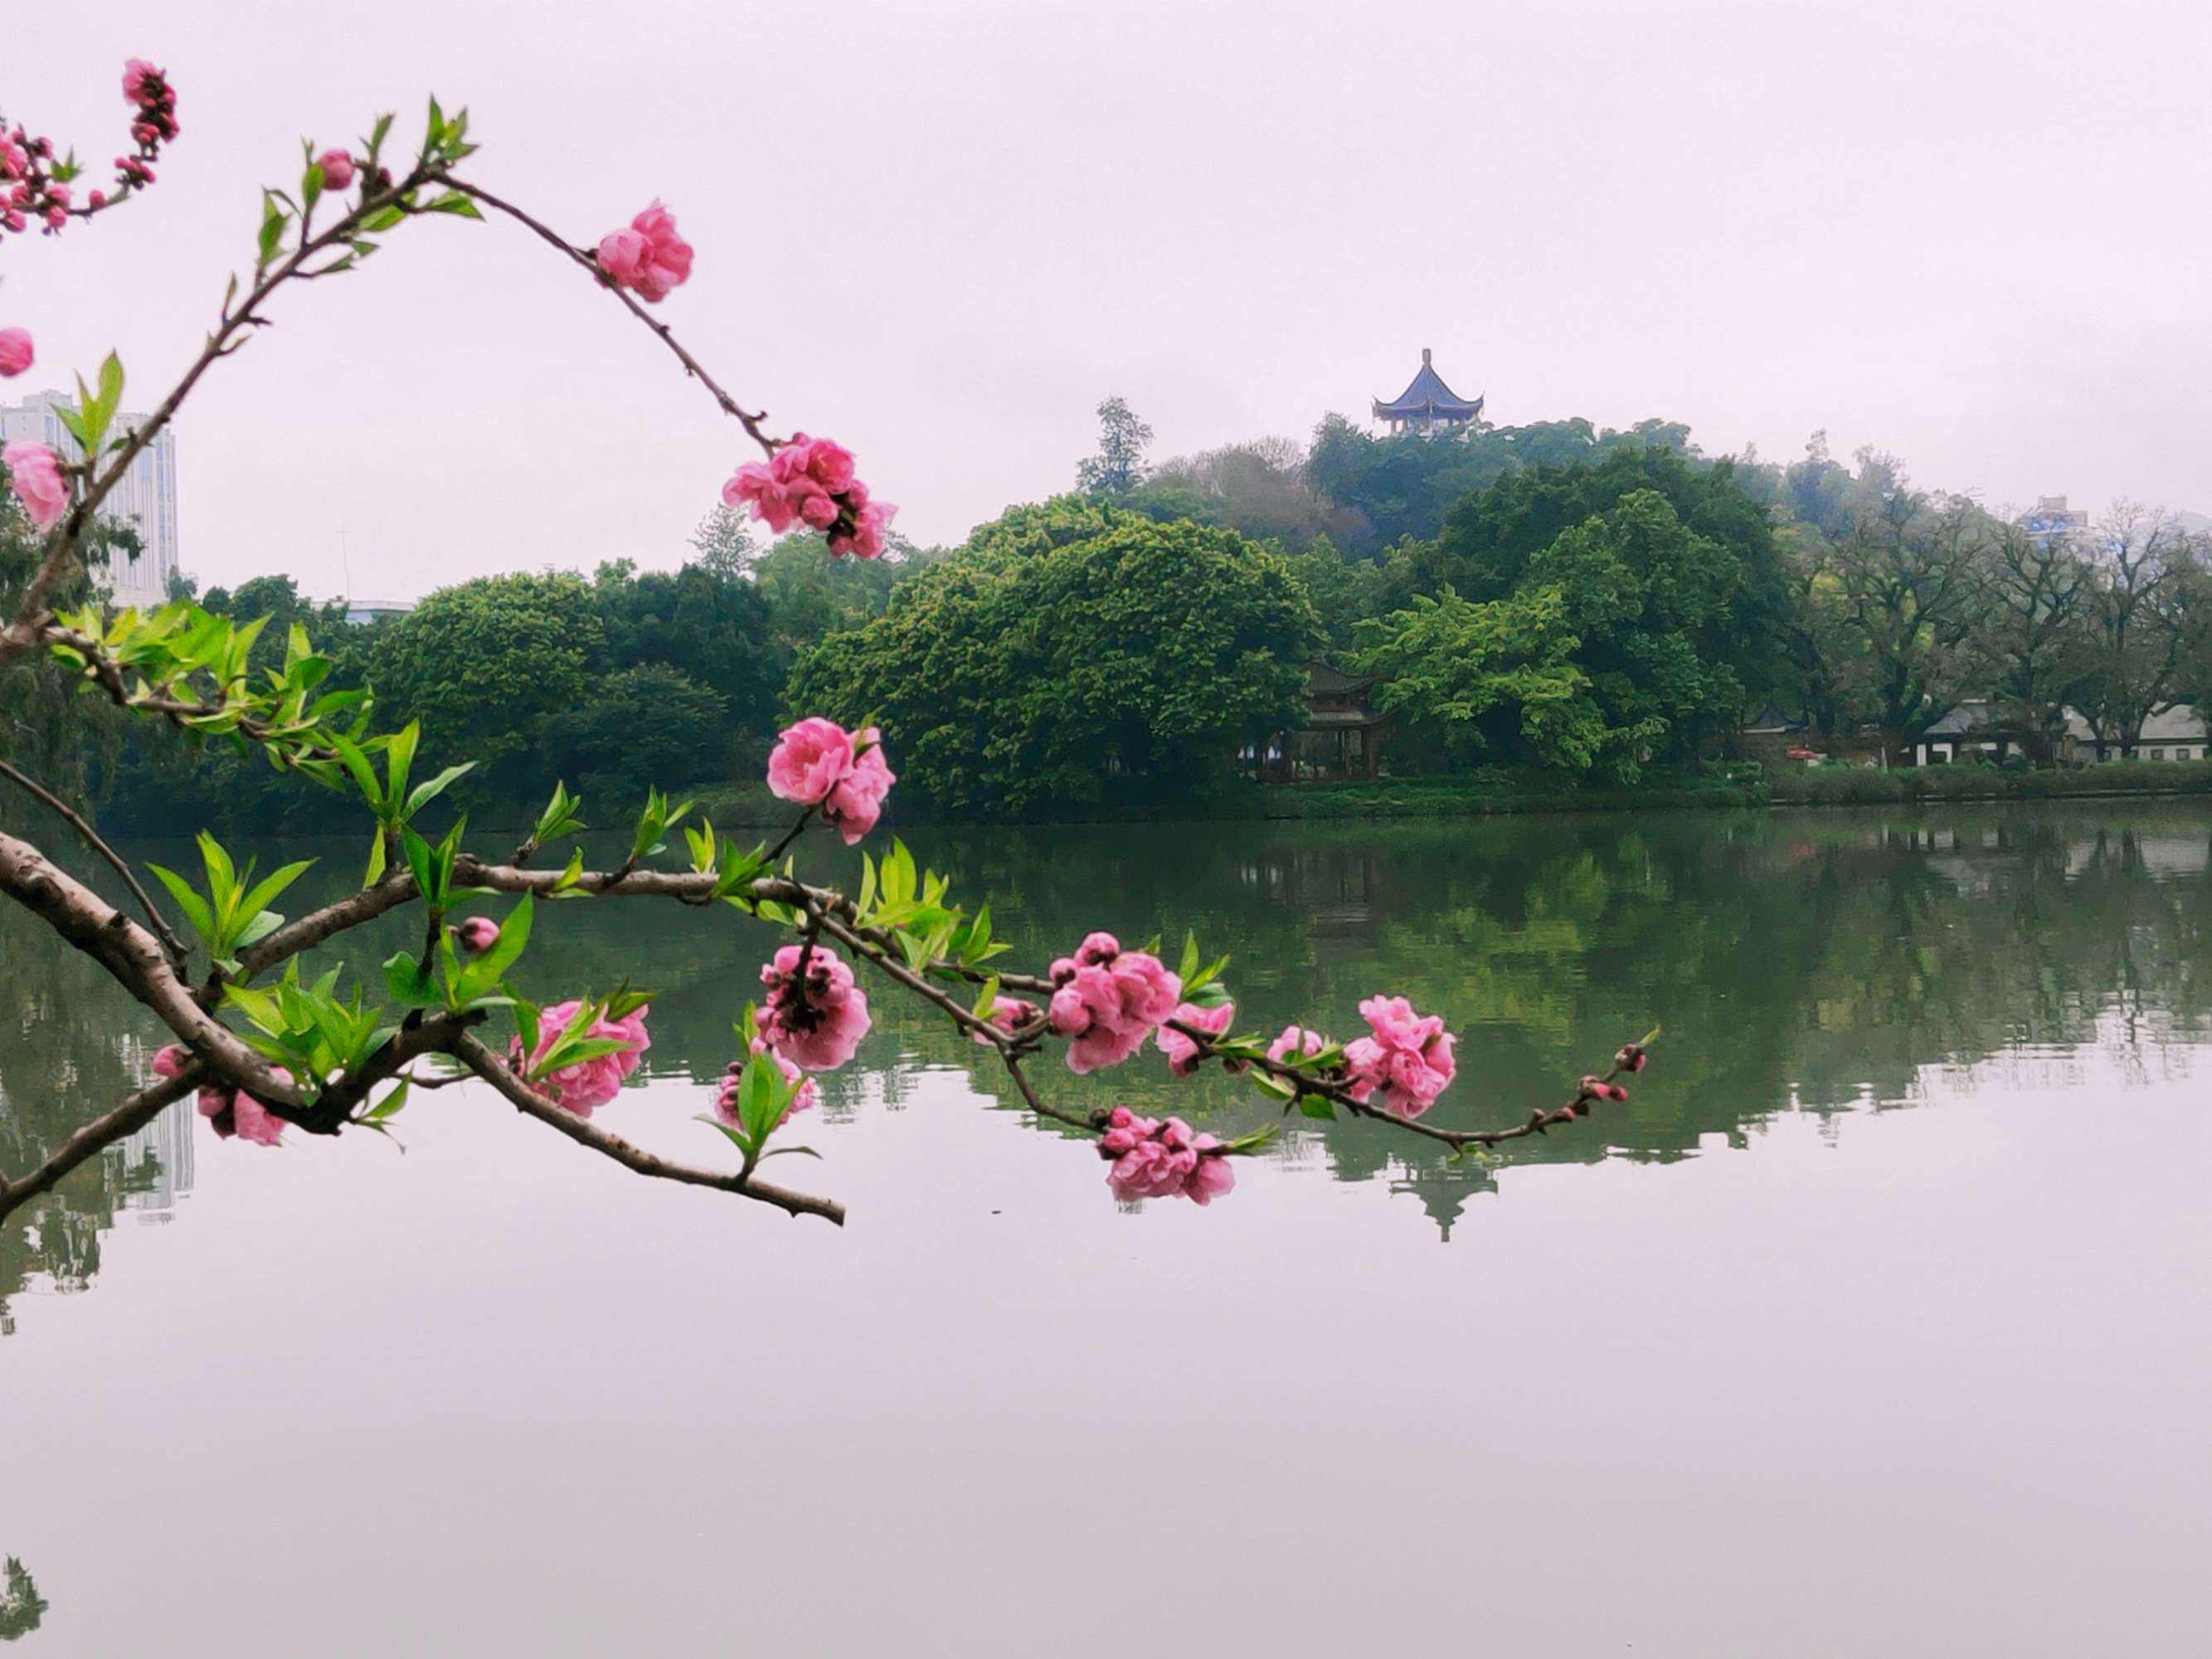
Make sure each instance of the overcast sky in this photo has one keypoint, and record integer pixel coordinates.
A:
(1977, 235)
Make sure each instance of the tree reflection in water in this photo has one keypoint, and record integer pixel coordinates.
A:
(1814, 963)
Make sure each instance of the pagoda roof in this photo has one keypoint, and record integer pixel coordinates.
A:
(1427, 394)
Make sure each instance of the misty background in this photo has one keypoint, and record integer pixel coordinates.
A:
(1972, 234)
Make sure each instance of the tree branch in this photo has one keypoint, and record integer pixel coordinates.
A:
(749, 420)
(134, 1114)
(129, 953)
(172, 946)
(472, 1053)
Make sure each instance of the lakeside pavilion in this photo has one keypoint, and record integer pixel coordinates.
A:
(1427, 405)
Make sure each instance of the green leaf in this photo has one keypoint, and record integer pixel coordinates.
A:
(426, 792)
(409, 985)
(375, 871)
(265, 923)
(273, 219)
(458, 203)
(363, 774)
(389, 1105)
(1318, 1106)
(258, 898)
(423, 862)
(189, 901)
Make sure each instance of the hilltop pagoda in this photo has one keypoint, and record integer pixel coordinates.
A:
(1427, 406)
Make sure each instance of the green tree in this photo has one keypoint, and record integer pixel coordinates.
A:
(1497, 680)
(1132, 663)
(490, 666)
(1119, 465)
(649, 726)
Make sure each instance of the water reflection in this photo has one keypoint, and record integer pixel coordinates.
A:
(1818, 963)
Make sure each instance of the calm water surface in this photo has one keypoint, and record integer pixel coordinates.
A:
(1878, 1323)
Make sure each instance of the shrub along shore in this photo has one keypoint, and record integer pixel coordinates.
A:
(1744, 787)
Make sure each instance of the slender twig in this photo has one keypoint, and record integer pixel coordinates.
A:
(104, 1131)
(229, 333)
(518, 1094)
(789, 836)
(751, 421)
(172, 946)
(1037, 1105)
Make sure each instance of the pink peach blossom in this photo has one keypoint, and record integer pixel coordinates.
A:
(1110, 1002)
(37, 480)
(648, 256)
(171, 1059)
(142, 82)
(1295, 1042)
(337, 169)
(233, 1112)
(1181, 1051)
(1155, 1159)
(817, 1025)
(809, 761)
(1008, 1014)
(856, 800)
(1406, 1064)
(16, 353)
(588, 1084)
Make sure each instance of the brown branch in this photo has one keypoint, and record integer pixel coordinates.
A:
(134, 1114)
(229, 333)
(172, 945)
(518, 1094)
(307, 932)
(132, 956)
(751, 421)
(1037, 1104)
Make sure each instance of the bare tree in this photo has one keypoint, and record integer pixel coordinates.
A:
(1905, 583)
(2145, 623)
(2029, 645)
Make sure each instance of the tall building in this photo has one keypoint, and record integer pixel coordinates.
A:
(146, 496)
(1427, 405)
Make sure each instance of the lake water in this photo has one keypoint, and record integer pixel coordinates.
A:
(1878, 1321)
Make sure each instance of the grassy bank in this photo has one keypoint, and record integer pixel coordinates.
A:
(1745, 786)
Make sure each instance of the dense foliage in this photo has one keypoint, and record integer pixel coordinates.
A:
(1076, 655)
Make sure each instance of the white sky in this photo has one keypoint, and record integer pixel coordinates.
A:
(1976, 234)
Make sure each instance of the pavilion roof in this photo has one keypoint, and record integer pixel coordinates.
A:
(1427, 394)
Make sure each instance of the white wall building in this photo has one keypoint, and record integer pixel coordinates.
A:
(146, 496)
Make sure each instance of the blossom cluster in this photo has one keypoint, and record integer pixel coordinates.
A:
(1155, 1159)
(1403, 1067)
(817, 763)
(35, 473)
(1593, 1088)
(155, 123)
(588, 1084)
(815, 1018)
(733, 1077)
(1109, 1000)
(229, 1111)
(34, 190)
(646, 257)
(29, 192)
(1400, 1067)
(1181, 1049)
(811, 481)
